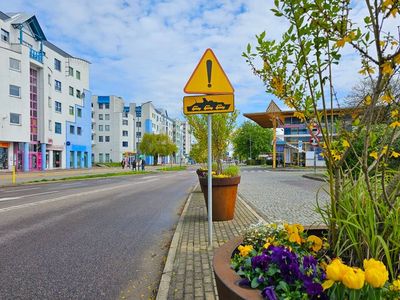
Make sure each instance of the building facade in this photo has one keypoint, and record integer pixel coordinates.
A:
(114, 127)
(44, 100)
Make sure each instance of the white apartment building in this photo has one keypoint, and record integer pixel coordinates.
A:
(113, 126)
(44, 100)
(187, 140)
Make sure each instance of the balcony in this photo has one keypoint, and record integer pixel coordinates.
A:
(36, 55)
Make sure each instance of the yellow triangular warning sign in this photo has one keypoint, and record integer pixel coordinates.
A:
(208, 77)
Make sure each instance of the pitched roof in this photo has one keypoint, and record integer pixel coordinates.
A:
(31, 21)
(3, 16)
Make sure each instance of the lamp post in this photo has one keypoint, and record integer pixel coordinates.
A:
(250, 148)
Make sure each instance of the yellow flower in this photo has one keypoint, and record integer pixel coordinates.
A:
(245, 250)
(388, 98)
(374, 154)
(299, 115)
(397, 59)
(345, 144)
(395, 124)
(395, 154)
(395, 286)
(299, 227)
(376, 273)
(291, 228)
(295, 238)
(386, 4)
(340, 43)
(387, 69)
(353, 278)
(335, 270)
(316, 242)
(394, 113)
(368, 100)
(277, 84)
(393, 12)
(327, 284)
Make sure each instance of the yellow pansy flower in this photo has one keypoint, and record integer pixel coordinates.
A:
(327, 284)
(376, 273)
(295, 238)
(374, 154)
(245, 250)
(316, 242)
(395, 124)
(395, 154)
(395, 286)
(387, 69)
(353, 278)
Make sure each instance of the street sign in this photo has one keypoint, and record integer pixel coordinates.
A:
(300, 145)
(208, 104)
(314, 141)
(208, 77)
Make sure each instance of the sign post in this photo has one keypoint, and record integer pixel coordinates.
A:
(209, 79)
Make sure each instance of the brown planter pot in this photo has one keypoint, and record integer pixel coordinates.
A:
(226, 278)
(224, 193)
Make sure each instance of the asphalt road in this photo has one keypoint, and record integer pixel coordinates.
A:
(97, 239)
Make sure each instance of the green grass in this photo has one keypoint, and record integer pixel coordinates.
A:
(175, 168)
(93, 176)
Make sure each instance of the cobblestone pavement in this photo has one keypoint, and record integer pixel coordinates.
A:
(283, 195)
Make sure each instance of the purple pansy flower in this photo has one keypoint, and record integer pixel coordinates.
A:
(269, 293)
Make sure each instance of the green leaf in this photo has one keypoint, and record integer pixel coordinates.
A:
(248, 48)
(254, 283)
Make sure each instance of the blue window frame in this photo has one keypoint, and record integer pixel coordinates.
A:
(57, 128)
(57, 106)
(57, 85)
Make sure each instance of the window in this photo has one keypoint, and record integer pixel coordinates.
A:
(50, 125)
(107, 116)
(124, 122)
(57, 64)
(107, 128)
(71, 129)
(100, 127)
(107, 157)
(79, 130)
(57, 128)
(101, 105)
(79, 112)
(15, 119)
(57, 85)
(71, 110)
(78, 94)
(49, 79)
(15, 64)
(49, 102)
(101, 157)
(5, 36)
(138, 134)
(107, 105)
(125, 115)
(124, 132)
(15, 91)
(70, 71)
(101, 117)
(124, 144)
(100, 138)
(78, 75)
(107, 138)
(138, 124)
(71, 90)
(57, 106)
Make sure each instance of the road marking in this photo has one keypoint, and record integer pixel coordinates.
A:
(25, 196)
(20, 190)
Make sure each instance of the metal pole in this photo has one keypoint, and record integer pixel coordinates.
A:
(251, 157)
(209, 123)
(274, 144)
(315, 160)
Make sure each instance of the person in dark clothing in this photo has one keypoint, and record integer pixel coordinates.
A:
(143, 164)
(122, 163)
(134, 165)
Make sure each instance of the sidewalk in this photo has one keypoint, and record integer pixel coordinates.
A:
(188, 271)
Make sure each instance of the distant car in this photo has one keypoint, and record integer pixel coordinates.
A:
(208, 107)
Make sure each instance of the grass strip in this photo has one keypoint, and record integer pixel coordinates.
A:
(175, 168)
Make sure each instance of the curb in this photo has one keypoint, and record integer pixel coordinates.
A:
(163, 288)
(314, 178)
(253, 211)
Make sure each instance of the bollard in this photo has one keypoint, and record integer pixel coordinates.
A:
(13, 175)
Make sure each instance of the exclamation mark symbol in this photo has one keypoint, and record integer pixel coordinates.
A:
(209, 67)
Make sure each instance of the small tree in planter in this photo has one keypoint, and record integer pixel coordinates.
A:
(298, 70)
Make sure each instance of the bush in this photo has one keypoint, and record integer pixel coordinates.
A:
(231, 171)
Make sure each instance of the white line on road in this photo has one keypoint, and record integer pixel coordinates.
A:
(20, 190)
(25, 196)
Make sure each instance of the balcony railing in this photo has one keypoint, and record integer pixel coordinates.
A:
(36, 55)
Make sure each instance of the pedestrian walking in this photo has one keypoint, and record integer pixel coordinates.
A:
(134, 165)
(143, 164)
(122, 163)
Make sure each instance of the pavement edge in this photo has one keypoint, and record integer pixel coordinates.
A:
(253, 211)
(163, 288)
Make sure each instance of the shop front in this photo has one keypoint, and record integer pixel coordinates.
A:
(4, 155)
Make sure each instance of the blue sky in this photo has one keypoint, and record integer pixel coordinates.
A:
(147, 50)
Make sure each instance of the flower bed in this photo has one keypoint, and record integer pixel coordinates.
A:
(283, 262)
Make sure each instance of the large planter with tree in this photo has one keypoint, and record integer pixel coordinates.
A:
(224, 194)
